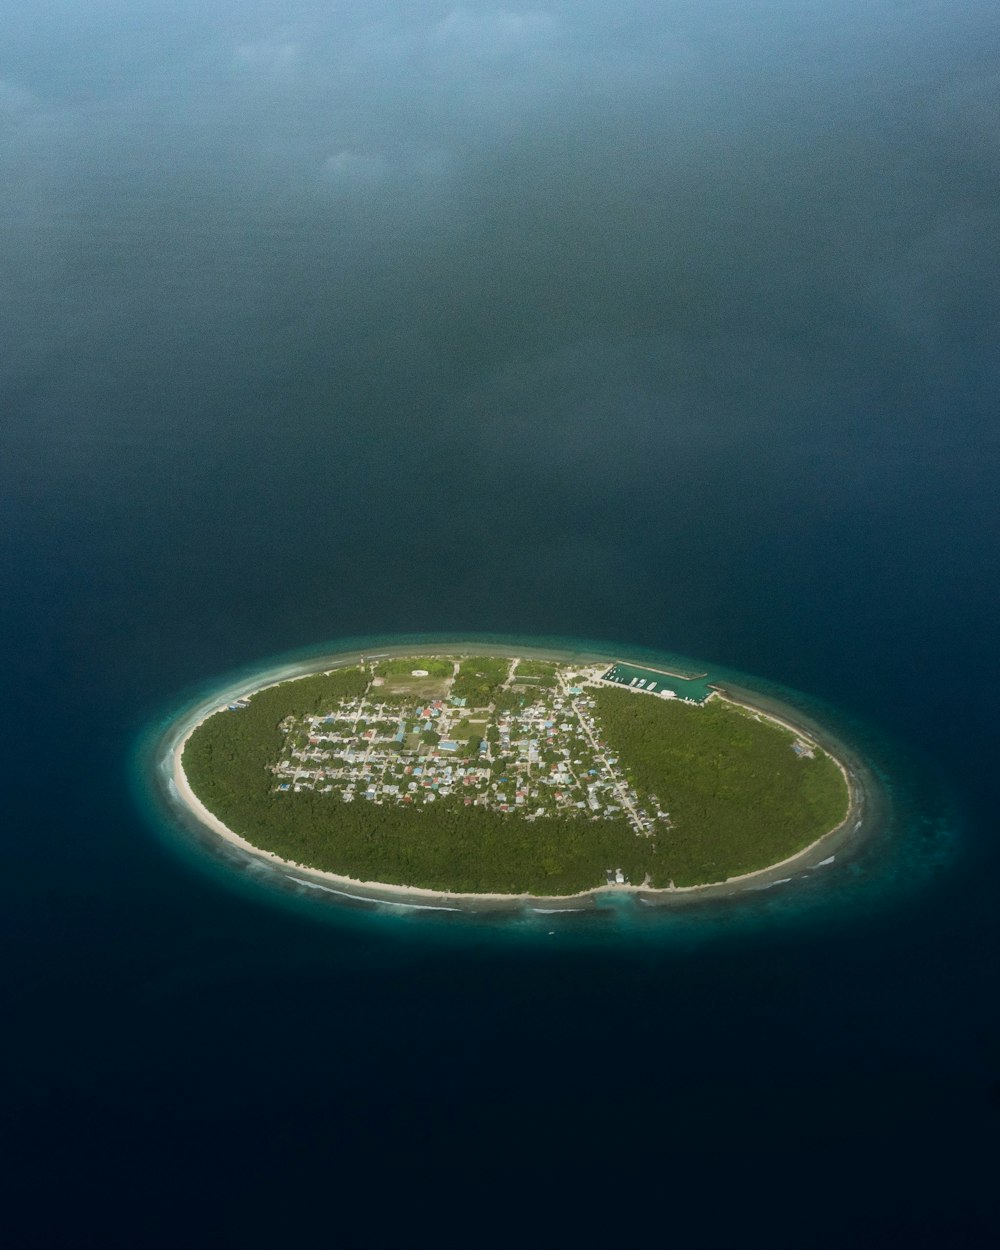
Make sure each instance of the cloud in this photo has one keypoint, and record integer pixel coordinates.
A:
(561, 168)
(493, 34)
(348, 168)
(277, 58)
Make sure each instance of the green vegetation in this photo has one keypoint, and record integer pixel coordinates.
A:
(738, 796)
(536, 673)
(403, 666)
(511, 699)
(715, 790)
(228, 756)
(536, 668)
(479, 678)
(445, 846)
(395, 679)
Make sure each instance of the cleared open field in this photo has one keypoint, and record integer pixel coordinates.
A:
(395, 676)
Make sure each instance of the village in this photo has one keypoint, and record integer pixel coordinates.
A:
(500, 774)
(534, 750)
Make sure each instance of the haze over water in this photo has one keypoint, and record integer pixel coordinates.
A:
(668, 324)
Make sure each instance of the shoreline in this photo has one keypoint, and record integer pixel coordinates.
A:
(819, 853)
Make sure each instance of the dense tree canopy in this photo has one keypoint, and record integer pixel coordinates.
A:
(737, 798)
(479, 678)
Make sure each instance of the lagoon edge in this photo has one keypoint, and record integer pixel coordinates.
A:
(864, 800)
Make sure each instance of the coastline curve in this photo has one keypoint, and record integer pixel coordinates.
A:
(867, 804)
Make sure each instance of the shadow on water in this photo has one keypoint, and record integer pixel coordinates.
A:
(911, 826)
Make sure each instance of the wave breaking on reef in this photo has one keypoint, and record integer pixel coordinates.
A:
(869, 811)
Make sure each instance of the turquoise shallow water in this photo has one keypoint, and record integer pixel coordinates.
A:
(670, 324)
(861, 871)
(697, 689)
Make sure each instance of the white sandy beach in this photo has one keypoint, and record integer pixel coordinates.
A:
(416, 895)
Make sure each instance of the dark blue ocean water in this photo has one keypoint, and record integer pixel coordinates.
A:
(668, 325)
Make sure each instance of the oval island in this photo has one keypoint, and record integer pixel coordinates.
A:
(500, 775)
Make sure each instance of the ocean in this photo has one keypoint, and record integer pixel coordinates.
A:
(669, 328)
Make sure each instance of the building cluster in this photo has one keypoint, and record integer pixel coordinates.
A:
(543, 756)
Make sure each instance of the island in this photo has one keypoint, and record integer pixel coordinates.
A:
(512, 776)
